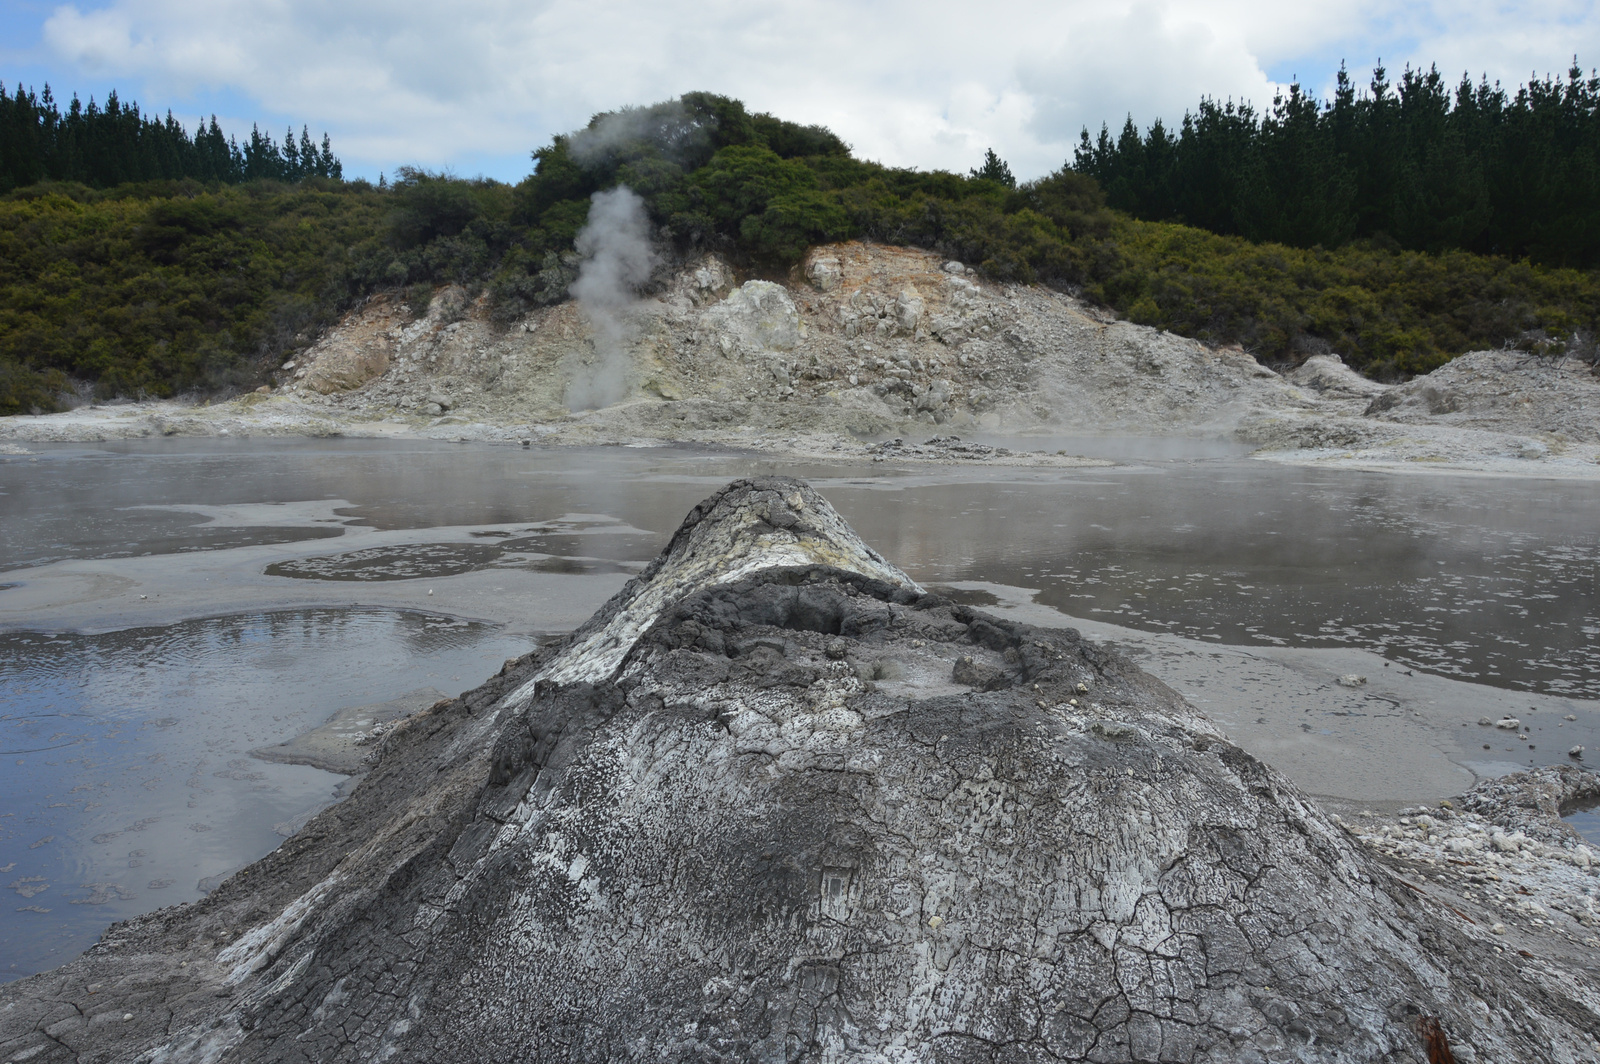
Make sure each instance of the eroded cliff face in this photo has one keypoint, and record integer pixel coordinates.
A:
(861, 338)
(776, 803)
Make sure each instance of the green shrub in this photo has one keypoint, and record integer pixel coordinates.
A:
(198, 289)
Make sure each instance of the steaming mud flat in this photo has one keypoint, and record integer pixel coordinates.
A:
(320, 576)
(511, 813)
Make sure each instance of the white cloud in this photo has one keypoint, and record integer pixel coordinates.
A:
(1107, 66)
(927, 84)
(1509, 42)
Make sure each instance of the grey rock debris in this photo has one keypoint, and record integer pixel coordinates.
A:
(773, 803)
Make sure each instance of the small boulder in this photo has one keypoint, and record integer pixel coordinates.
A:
(979, 675)
(760, 315)
(908, 308)
(825, 273)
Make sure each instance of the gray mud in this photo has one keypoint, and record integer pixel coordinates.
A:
(745, 813)
(1249, 588)
(341, 744)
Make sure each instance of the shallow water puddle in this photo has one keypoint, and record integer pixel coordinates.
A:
(127, 779)
(1586, 820)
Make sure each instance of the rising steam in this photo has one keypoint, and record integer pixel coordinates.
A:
(617, 259)
(670, 128)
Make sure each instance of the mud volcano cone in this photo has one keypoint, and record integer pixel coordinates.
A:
(776, 803)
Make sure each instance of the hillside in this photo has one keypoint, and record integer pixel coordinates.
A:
(865, 341)
(186, 288)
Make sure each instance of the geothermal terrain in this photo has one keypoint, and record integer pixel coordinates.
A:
(776, 802)
(860, 342)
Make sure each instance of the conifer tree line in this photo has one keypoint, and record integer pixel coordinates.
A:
(1411, 163)
(105, 146)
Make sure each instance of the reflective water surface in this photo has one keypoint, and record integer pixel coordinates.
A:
(125, 775)
(1587, 822)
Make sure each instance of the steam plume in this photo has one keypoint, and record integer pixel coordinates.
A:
(670, 128)
(617, 259)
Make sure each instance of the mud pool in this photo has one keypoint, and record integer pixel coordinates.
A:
(168, 606)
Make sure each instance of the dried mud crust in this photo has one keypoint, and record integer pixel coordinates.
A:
(809, 813)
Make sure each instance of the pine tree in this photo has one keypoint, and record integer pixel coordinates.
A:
(308, 156)
(291, 156)
(995, 169)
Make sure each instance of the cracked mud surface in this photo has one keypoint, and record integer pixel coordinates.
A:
(775, 803)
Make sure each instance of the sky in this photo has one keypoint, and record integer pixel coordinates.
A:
(473, 86)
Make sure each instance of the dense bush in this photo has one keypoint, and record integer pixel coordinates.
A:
(1389, 313)
(171, 286)
(167, 286)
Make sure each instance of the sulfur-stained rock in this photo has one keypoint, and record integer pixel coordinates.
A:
(338, 365)
(758, 316)
(823, 271)
(774, 802)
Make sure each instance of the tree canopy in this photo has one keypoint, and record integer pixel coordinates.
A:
(102, 147)
(1411, 163)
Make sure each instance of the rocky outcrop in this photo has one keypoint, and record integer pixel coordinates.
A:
(348, 358)
(1533, 802)
(862, 338)
(1503, 391)
(776, 803)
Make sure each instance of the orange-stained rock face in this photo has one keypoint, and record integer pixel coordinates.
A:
(356, 351)
(345, 365)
